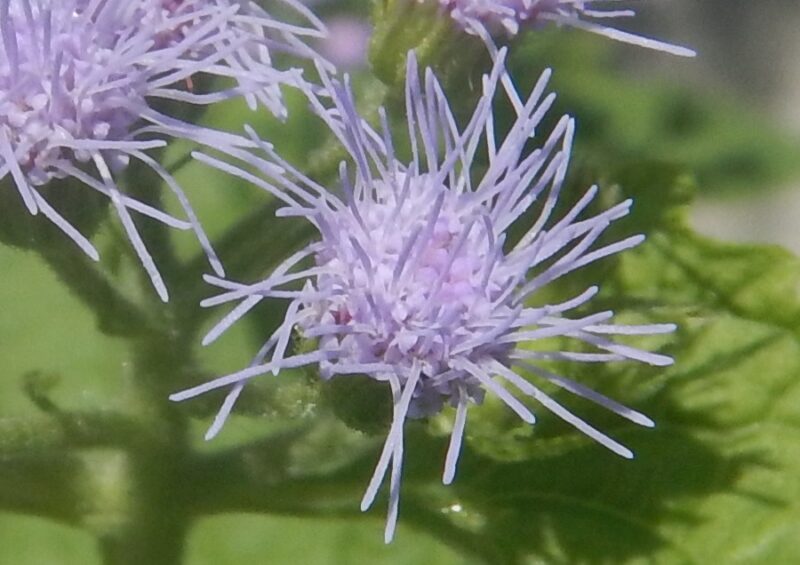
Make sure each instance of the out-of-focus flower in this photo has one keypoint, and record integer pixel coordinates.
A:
(413, 281)
(347, 42)
(487, 18)
(78, 79)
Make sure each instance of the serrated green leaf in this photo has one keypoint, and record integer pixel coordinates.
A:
(715, 481)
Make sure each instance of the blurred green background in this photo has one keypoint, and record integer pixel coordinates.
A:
(722, 470)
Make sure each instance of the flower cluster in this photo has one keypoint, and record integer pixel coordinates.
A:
(78, 82)
(487, 18)
(413, 281)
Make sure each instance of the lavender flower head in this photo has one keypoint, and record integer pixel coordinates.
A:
(487, 18)
(413, 282)
(245, 37)
(77, 82)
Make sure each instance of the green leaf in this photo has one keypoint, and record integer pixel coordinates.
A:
(259, 539)
(715, 481)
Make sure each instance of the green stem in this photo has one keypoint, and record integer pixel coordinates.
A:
(41, 484)
(147, 186)
(157, 543)
(152, 523)
(116, 315)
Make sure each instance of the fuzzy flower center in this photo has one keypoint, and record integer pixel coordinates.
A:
(59, 84)
(70, 71)
(413, 279)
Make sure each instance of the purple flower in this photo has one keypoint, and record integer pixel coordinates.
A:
(77, 82)
(413, 282)
(236, 37)
(347, 43)
(487, 18)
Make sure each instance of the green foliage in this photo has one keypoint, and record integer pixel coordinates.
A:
(714, 481)
(728, 146)
(90, 446)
